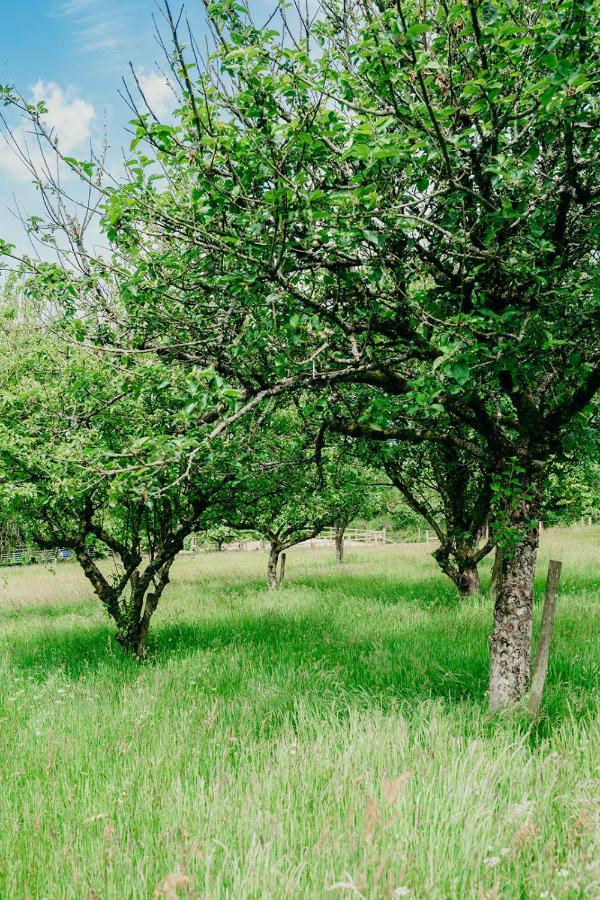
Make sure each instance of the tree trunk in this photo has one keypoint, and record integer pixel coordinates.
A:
(133, 636)
(469, 584)
(460, 567)
(340, 529)
(136, 616)
(272, 562)
(510, 641)
(129, 638)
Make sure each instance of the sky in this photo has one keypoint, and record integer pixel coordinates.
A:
(73, 54)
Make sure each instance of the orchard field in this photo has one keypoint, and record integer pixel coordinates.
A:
(329, 739)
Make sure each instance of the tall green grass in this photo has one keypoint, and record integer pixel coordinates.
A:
(331, 740)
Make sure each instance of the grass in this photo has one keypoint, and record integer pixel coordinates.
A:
(331, 740)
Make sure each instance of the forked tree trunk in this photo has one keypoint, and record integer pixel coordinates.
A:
(340, 530)
(460, 567)
(510, 641)
(140, 609)
(131, 616)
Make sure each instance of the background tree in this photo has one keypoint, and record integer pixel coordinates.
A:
(85, 461)
(447, 487)
(219, 535)
(294, 489)
(572, 492)
(453, 494)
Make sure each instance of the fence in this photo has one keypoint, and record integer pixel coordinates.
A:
(358, 535)
(23, 556)
(324, 539)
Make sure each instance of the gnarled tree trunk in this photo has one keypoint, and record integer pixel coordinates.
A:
(469, 584)
(510, 641)
(460, 565)
(131, 616)
(136, 617)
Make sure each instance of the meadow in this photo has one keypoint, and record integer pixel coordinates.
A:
(329, 740)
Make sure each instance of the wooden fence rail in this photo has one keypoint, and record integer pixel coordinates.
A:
(362, 535)
(21, 556)
(326, 537)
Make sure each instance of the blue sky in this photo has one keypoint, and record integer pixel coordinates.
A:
(73, 53)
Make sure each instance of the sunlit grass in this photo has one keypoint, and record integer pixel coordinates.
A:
(256, 753)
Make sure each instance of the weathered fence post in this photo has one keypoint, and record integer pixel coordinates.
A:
(549, 611)
(496, 574)
(281, 576)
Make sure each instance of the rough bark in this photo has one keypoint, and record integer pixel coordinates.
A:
(510, 641)
(143, 602)
(272, 562)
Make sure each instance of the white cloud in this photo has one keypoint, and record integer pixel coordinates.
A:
(68, 7)
(69, 118)
(157, 91)
(97, 36)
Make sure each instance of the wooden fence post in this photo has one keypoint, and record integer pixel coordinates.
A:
(496, 574)
(281, 577)
(549, 611)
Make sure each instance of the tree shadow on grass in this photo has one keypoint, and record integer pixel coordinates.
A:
(403, 664)
(386, 590)
(314, 650)
(306, 656)
(75, 652)
(23, 613)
